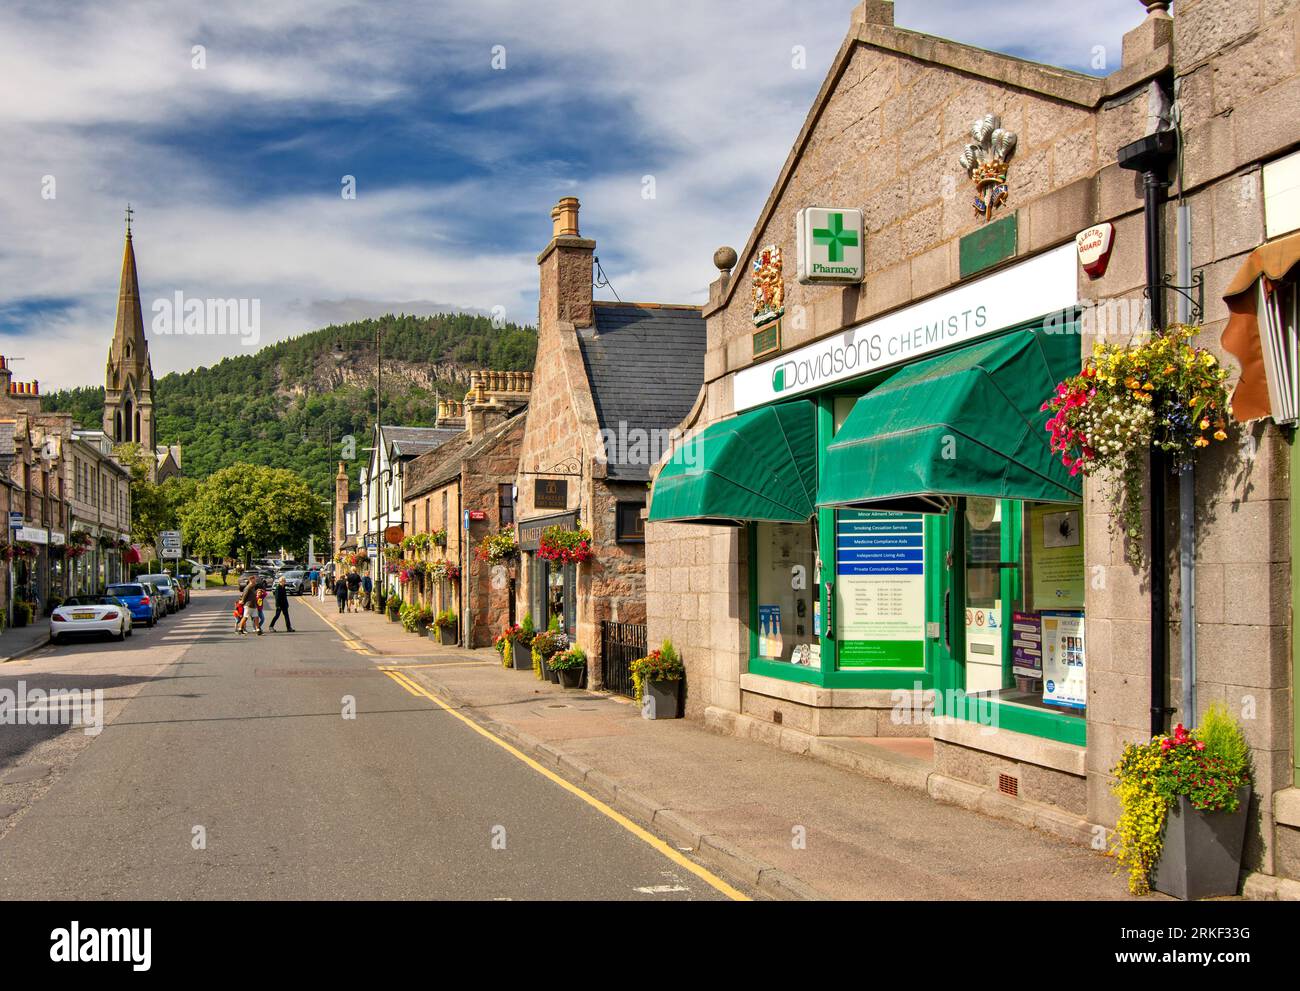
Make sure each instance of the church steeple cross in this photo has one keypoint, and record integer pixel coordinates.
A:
(129, 212)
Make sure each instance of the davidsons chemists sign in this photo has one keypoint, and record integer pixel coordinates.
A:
(1045, 284)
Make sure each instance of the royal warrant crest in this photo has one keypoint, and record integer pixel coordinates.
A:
(986, 162)
(769, 286)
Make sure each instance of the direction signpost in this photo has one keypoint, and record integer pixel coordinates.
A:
(170, 541)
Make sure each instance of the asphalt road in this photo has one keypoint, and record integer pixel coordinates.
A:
(227, 768)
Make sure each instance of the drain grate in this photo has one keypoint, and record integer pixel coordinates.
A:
(1009, 785)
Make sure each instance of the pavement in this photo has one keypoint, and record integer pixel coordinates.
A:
(290, 766)
(784, 824)
(17, 641)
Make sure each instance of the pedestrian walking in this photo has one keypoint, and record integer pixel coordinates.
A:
(341, 592)
(367, 586)
(247, 605)
(354, 589)
(282, 605)
(259, 619)
(225, 570)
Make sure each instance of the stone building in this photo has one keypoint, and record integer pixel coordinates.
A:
(464, 491)
(610, 382)
(869, 430)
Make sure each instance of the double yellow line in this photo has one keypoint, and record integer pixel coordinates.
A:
(675, 856)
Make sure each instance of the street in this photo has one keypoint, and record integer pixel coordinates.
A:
(231, 767)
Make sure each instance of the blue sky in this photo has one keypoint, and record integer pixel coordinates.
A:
(234, 168)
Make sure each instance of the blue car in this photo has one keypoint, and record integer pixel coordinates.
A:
(144, 607)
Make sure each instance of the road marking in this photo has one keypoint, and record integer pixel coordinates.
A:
(704, 875)
(349, 641)
(661, 889)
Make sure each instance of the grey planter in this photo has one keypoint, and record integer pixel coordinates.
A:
(552, 675)
(447, 636)
(571, 678)
(661, 700)
(521, 658)
(1201, 857)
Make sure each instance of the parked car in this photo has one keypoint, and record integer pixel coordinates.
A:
(245, 577)
(166, 586)
(159, 600)
(182, 590)
(294, 581)
(90, 615)
(137, 598)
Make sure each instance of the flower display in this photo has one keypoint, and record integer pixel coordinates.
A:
(565, 546)
(662, 664)
(497, 547)
(1207, 766)
(1163, 393)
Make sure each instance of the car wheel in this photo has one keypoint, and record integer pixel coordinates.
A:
(56, 639)
(149, 622)
(120, 635)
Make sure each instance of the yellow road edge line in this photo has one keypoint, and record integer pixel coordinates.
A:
(639, 832)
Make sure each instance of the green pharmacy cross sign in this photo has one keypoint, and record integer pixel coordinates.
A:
(830, 242)
(835, 237)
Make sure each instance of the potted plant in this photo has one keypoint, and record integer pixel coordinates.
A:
(1183, 805)
(22, 613)
(1129, 399)
(504, 642)
(657, 678)
(521, 650)
(498, 547)
(445, 622)
(570, 664)
(438, 538)
(545, 646)
(393, 608)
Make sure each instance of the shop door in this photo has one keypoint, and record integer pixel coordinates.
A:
(983, 617)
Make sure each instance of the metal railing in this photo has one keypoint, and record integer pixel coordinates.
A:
(620, 645)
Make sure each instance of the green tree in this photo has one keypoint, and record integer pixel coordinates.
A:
(247, 510)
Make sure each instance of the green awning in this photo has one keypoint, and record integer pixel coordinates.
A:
(967, 423)
(761, 465)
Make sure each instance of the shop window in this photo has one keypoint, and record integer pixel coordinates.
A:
(629, 523)
(1024, 605)
(786, 587)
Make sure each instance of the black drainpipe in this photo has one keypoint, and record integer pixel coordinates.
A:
(1152, 156)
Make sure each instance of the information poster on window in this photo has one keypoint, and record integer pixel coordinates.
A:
(1065, 680)
(1056, 546)
(1027, 644)
(770, 643)
(880, 589)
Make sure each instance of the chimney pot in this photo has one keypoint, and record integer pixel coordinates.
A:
(565, 215)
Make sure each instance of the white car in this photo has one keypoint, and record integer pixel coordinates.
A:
(90, 615)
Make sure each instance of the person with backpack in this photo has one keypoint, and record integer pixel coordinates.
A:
(367, 586)
(354, 589)
(341, 592)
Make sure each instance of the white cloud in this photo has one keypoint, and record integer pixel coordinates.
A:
(707, 89)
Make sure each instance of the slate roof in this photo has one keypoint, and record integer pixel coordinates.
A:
(432, 471)
(410, 442)
(645, 364)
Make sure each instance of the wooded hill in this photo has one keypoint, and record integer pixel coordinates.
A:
(288, 405)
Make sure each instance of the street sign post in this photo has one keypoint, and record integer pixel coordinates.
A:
(171, 544)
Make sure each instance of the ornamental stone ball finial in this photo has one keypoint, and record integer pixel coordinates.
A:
(725, 258)
(1156, 8)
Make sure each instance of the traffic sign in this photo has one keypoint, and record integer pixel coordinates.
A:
(171, 543)
(15, 521)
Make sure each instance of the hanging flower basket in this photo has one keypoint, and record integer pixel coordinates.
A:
(565, 546)
(498, 547)
(1161, 394)
(438, 538)
(444, 571)
(20, 550)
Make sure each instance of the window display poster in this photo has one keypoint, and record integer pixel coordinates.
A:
(1056, 549)
(880, 589)
(1027, 644)
(769, 632)
(1065, 680)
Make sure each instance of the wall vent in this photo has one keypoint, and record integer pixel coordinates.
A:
(776, 716)
(1009, 785)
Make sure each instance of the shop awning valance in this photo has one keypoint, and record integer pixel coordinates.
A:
(967, 423)
(761, 465)
(1253, 338)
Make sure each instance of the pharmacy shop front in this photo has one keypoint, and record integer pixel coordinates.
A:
(910, 539)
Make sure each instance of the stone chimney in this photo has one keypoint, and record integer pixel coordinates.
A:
(451, 415)
(340, 503)
(565, 263)
(6, 376)
(492, 397)
(23, 397)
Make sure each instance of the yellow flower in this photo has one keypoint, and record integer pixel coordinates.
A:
(1202, 442)
(1205, 423)
(1220, 435)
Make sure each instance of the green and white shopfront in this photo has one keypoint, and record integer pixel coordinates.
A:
(908, 527)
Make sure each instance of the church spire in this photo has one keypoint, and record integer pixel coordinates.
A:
(128, 380)
(130, 319)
